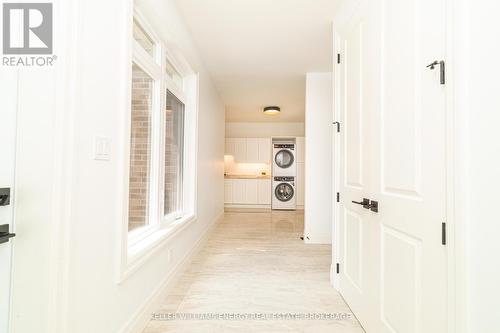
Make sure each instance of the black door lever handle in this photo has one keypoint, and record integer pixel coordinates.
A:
(5, 235)
(365, 203)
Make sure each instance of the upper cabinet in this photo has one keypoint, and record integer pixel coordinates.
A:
(240, 150)
(264, 150)
(230, 147)
(249, 150)
(252, 151)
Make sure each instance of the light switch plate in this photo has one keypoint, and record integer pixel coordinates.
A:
(102, 147)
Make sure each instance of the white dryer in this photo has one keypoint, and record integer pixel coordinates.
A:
(284, 193)
(284, 159)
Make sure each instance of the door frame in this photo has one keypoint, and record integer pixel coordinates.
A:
(455, 172)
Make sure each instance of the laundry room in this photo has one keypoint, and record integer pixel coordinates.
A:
(274, 164)
(257, 153)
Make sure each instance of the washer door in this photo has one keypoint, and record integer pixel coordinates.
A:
(284, 159)
(284, 192)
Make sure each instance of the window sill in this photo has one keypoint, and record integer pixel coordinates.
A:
(140, 252)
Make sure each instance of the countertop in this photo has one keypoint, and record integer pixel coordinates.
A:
(247, 177)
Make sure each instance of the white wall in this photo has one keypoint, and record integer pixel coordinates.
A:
(263, 130)
(478, 159)
(74, 267)
(97, 303)
(318, 161)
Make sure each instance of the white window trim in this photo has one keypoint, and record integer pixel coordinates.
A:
(136, 247)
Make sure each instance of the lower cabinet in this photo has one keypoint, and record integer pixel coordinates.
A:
(265, 191)
(251, 191)
(247, 192)
(239, 191)
(228, 191)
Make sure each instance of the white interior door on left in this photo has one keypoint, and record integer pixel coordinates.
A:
(8, 110)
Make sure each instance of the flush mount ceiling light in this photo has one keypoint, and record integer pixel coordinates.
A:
(272, 110)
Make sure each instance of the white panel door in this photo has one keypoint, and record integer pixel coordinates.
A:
(355, 226)
(252, 151)
(393, 272)
(8, 98)
(252, 191)
(264, 191)
(228, 191)
(240, 150)
(265, 151)
(411, 168)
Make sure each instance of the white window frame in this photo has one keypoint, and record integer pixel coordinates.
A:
(170, 218)
(138, 245)
(152, 66)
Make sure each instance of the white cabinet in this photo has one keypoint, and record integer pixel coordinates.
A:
(253, 151)
(300, 153)
(247, 192)
(264, 150)
(228, 191)
(264, 197)
(300, 188)
(249, 150)
(230, 147)
(239, 196)
(240, 150)
(251, 191)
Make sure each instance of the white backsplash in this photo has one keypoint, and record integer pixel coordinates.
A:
(233, 168)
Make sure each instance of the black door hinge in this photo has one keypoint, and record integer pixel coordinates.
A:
(338, 58)
(338, 196)
(443, 233)
(338, 126)
(338, 268)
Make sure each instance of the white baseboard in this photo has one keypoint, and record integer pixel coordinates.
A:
(142, 316)
(318, 238)
(238, 206)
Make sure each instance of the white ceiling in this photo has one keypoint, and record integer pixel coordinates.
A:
(258, 51)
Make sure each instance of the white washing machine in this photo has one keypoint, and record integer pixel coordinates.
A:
(284, 193)
(284, 159)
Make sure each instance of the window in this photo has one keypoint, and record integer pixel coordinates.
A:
(145, 93)
(143, 39)
(160, 165)
(174, 154)
(173, 75)
(140, 148)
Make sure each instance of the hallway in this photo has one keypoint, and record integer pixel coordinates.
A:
(257, 263)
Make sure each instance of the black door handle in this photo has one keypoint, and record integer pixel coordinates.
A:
(5, 235)
(365, 203)
(4, 196)
(442, 70)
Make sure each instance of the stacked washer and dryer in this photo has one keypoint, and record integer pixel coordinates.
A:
(284, 174)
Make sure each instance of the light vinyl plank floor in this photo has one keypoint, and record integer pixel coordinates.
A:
(257, 263)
